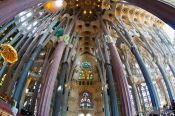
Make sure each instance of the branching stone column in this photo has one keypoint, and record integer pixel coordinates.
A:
(73, 54)
(100, 57)
(23, 93)
(29, 65)
(48, 86)
(167, 82)
(120, 79)
(147, 77)
(136, 98)
(38, 82)
(163, 90)
(64, 70)
(157, 62)
(104, 88)
(61, 78)
(172, 68)
(66, 93)
(145, 72)
(112, 90)
(32, 46)
(65, 99)
(131, 80)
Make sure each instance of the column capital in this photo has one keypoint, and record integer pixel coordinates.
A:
(105, 5)
(109, 39)
(124, 48)
(65, 38)
(133, 79)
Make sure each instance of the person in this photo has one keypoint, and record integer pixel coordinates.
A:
(173, 105)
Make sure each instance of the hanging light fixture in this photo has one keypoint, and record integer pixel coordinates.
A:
(8, 53)
(55, 6)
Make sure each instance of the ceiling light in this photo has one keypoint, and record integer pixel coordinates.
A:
(84, 12)
(90, 12)
(59, 3)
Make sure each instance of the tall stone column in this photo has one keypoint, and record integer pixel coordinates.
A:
(23, 78)
(163, 89)
(66, 91)
(109, 75)
(23, 94)
(147, 77)
(50, 77)
(38, 82)
(34, 49)
(144, 70)
(131, 81)
(65, 99)
(157, 62)
(34, 97)
(121, 81)
(165, 78)
(136, 98)
(48, 85)
(141, 97)
(25, 54)
(104, 88)
(172, 69)
(64, 70)
(112, 91)
(58, 98)
(72, 67)
(167, 82)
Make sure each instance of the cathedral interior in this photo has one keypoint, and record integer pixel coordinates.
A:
(87, 57)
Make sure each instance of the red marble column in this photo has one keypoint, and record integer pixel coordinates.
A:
(121, 81)
(50, 78)
(10, 8)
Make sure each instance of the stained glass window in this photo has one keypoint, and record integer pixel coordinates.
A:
(86, 71)
(85, 101)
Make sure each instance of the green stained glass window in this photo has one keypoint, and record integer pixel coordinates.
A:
(86, 71)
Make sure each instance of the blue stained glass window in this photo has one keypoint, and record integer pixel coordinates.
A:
(86, 101)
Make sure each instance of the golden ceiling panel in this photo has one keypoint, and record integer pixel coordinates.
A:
(87, 8)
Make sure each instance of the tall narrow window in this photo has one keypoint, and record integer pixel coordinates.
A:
(86, 101)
